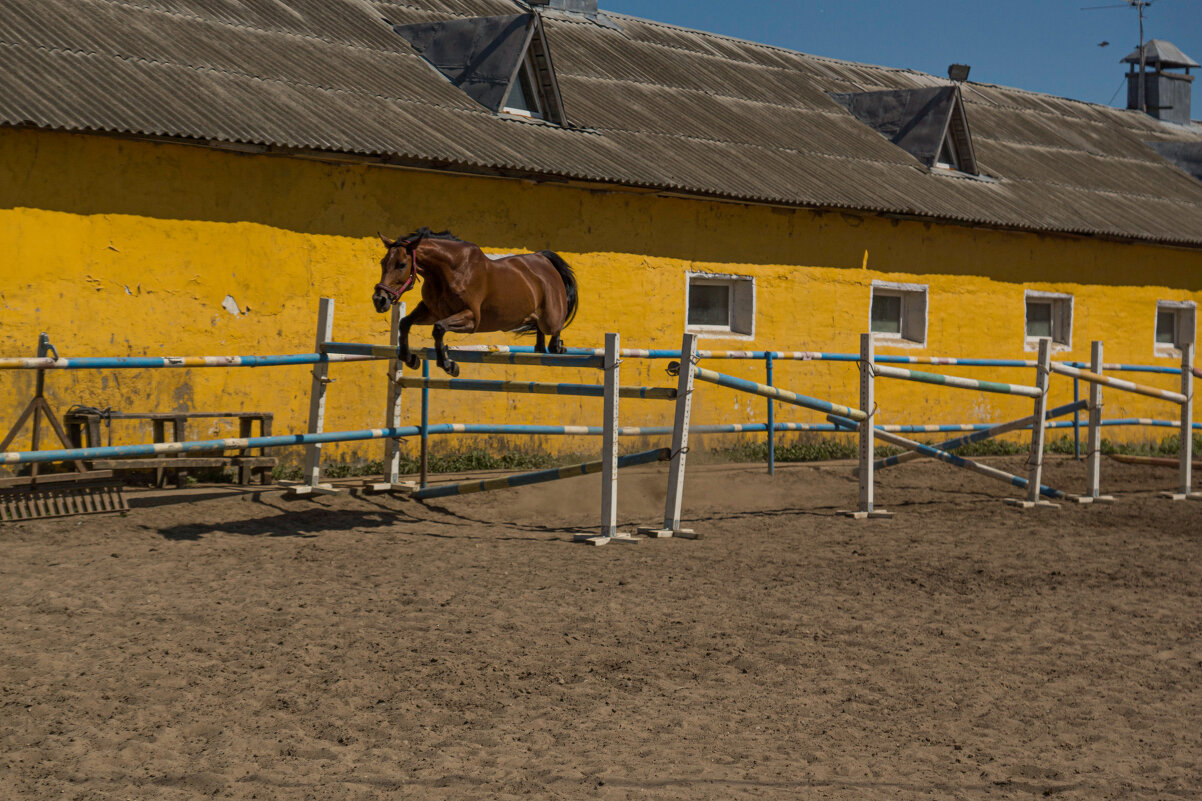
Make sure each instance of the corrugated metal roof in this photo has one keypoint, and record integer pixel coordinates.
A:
(653, 106)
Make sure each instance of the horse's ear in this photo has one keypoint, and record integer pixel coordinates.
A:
(388, 243)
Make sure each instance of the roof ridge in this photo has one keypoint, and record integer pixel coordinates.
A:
(760, 45)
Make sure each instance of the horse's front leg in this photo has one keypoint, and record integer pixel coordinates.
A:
(419, 316)
(463, 322)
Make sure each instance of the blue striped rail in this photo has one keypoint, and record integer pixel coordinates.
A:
(153, 362)
(538, 476)
(950, 458)
(467, 356)
(533, 387)
(984, 434)
(763, 390)
(232, 443)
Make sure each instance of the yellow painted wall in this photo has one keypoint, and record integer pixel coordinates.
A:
(124, 248)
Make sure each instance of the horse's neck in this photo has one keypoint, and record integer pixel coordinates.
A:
(441, 263)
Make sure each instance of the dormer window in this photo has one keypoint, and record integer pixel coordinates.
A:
(929, 124)
(503, 63)
(523, 97)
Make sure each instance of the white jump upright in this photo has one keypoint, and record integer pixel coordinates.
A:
(680, 445)
(609, 450)
(392, 414)
(867, 433)
(1185, 490)
(1093, 460)
(317, 406)
(1043, 375)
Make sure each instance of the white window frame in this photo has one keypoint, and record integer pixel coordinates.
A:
(740, 308)
(915, 303)
(526, 70)
(1185, 316)
(1062, 319)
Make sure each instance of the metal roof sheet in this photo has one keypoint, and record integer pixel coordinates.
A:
(652, 105)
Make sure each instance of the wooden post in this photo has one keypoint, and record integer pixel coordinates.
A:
(867, 433)
(680, 445)
(1043, 372)
(771, 418)
(609, 451)
(392, 414)
(1186, 478)
(1093, 461)
(317, 405)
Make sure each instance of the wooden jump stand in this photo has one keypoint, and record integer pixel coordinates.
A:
(611, 391)
(36, 496)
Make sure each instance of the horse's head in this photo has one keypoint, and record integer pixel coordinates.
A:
(398, 271)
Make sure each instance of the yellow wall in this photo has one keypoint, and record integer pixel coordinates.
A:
(126, 248)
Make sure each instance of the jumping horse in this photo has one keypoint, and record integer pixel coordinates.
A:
(465, 291)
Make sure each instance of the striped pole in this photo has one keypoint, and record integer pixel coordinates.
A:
(193, 446)
(533, 387)
(956, 381)
(743, 385)
(950, 458)
(538, 476)
(978, 436)
(469, 356)
(160, 362)
(1118, 383)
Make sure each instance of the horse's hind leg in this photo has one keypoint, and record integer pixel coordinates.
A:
(557, 345)
(540, 342)
(463, 322)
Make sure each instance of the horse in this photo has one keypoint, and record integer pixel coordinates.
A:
(465, 291)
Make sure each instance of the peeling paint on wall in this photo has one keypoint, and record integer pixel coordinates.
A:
(231, 305)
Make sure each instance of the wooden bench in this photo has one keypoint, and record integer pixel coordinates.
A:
(83, 429)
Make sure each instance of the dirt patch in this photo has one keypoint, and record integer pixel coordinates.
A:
(374, 647)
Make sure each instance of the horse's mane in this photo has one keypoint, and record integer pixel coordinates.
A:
(425, 233)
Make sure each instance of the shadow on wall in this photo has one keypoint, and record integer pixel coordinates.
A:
(90, 175)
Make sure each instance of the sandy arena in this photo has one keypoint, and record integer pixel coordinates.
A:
(371, 647)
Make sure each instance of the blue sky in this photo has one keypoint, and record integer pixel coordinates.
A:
(1046, 46)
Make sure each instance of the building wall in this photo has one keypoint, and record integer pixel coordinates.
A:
(125, 248)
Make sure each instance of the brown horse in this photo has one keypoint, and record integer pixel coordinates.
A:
(465, 291)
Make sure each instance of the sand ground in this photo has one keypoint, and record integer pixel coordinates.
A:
(364, 647)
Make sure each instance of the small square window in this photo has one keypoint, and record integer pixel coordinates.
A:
(721, 305)
(1175, 323)
(1049, 316)
(898, 313)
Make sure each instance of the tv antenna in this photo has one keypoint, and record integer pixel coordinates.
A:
(1139, 5)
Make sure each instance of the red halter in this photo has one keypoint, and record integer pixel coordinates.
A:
(395, 294)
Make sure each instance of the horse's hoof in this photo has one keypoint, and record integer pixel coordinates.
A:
(452, 369)
(412, 361)
(560, 348)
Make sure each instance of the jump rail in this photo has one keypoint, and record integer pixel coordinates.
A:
(539, 476)
(951, 458)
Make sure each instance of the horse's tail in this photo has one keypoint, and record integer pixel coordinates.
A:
(569, 283)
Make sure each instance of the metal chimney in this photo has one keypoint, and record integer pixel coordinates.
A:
(1166, 95)
(586, 7)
